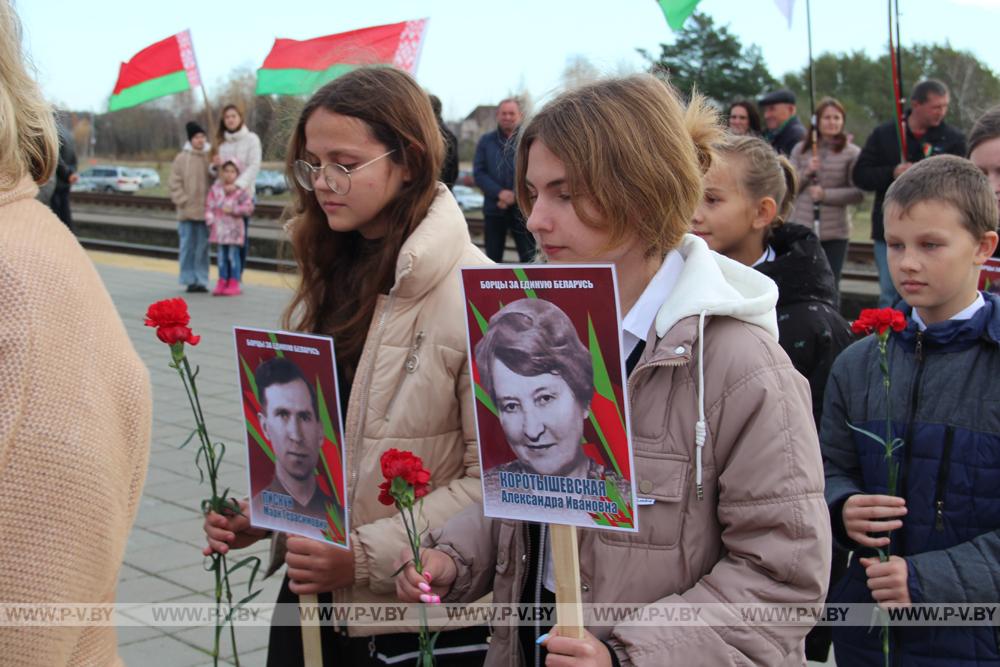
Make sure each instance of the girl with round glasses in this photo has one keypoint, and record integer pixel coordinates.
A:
(378, 242)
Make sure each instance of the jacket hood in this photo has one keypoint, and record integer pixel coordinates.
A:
(711, 284)
(238, 134)
(800, 268)
(434, 249)
(190, 149)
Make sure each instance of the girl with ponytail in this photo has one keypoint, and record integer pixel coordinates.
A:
(749, 191)
(730, 480)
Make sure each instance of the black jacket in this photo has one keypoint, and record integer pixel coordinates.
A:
(873, 170)
(810, 329)
(449, 168)
(790, 134)
(67, 160)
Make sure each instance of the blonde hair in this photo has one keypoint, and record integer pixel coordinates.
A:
(632, 151)
(28, 140)
(763, 172)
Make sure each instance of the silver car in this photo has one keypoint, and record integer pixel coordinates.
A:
(105, 178)
(148, 178)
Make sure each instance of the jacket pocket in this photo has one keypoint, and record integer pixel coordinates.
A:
(665, 481)
(942, 479)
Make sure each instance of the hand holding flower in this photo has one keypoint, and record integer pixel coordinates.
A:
(317, 567)
(436, 579)
(864, 514)
(887, 581)
(230, 530)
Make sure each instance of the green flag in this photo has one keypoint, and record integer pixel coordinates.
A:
(677, 11)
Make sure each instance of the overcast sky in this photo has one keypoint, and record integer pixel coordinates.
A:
(475, 52)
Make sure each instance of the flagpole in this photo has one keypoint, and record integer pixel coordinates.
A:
(897, 96)
(814, 132)
(208, 109)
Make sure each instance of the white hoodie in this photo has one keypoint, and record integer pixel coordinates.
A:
(711, 284)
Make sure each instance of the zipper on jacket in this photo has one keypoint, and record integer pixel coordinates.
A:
(674, 363)
(942, 480)
(363, 405)
(409, 367)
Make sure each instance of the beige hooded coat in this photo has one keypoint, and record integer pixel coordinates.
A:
(411, 391)
(761, 533)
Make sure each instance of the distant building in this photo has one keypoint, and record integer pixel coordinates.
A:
(481, 120)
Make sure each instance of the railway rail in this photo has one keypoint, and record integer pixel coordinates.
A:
(860, 255)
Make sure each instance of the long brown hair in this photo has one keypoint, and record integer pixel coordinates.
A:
(220, 131)
(340, 280)
(839, 141)
(645, 184)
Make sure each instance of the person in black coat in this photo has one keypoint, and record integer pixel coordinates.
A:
(65, 176)
(783, 129)
(449, 168)
(880, 161)
(748, 193)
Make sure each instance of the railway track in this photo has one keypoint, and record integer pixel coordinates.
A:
(860, 255)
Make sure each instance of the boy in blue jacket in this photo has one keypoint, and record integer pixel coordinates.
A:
(940, 227)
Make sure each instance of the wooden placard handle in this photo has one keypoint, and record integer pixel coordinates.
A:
(566, 561)
(312, 646)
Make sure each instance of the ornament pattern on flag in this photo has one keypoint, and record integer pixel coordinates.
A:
(408, 52)
(187, 57)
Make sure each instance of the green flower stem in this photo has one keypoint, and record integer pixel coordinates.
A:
(893, 470)
(220, 566)
(413, 534)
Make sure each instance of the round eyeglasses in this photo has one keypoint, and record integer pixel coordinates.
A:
(337, 176)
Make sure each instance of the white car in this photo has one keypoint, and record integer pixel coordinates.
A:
(468, 198)
(106, 178)
(149, 178)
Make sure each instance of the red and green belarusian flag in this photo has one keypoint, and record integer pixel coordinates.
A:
(296, 67)
(164, 68)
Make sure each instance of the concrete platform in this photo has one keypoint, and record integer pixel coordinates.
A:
(163, 561)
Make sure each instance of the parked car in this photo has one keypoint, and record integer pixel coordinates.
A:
(465, 177)
(148, 178)
(468, 199)
(104, 178)
(271, 182)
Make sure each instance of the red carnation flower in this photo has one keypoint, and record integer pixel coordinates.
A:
(878, 321)
(170, 317)
(406, 466)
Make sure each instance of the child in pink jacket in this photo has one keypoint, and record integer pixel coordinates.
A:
(225, 208)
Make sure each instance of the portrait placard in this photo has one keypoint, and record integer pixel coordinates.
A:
(551, 406)
(989, 277)
(295, 444)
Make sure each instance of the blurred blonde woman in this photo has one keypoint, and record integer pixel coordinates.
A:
(75, 423)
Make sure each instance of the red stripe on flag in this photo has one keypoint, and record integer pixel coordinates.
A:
(357, 47)
(154, 61)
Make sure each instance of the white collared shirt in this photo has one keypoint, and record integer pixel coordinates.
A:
(639, 319)
(966, 314)
(768, 256)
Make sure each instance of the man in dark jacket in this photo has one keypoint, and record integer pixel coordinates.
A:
(493, 170)
(784, 129)
(879, 163)
(65, 176)
(449, 168)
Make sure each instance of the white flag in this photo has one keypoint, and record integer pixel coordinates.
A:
(785, 7)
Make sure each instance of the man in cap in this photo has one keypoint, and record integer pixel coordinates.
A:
(784, 129)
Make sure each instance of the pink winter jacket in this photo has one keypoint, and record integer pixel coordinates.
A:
(761, 533)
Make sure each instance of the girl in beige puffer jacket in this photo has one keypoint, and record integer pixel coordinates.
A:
(727, 461)
(378, 242)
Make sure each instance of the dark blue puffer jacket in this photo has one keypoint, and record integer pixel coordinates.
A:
(945, 398)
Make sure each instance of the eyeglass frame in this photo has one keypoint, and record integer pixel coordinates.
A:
(321, 169)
